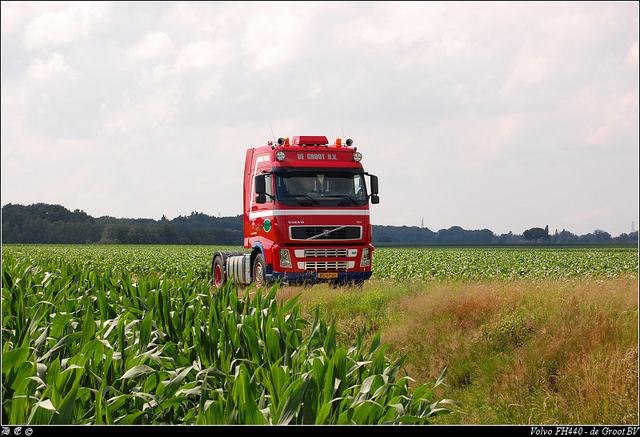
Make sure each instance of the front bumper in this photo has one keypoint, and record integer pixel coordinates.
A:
(314, 277)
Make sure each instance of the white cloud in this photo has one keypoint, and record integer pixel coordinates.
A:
(53, 66)
(210, 86)
(65, 26)
(277, 32)
(618, 116)
(526, 71)
(10, 17)
(159, 73)
(314, 90)
(151, 112)
(153, 45)
(632, 57)
(15, 15)
(392, 25)
(201, 56)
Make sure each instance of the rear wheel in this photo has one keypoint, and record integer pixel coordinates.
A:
(258, 270)
(217, 272)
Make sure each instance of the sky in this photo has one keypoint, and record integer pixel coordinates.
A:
(498, 115)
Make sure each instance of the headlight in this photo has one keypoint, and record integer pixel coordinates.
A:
(285, 259)
(280, 155)
(357, 157)
(365, 260)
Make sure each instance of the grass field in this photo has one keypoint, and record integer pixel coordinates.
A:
(528, 336)
(520, 352)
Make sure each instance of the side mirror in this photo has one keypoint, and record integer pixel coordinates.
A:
(374, 184)
(261, 188)
(375, 199)
(260, 184)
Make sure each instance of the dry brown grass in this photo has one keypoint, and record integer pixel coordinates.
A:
(550, 352)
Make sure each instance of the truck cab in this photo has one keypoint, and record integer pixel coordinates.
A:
(306, 215)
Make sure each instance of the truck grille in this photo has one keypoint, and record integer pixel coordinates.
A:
(326, 265)
(325, 253)
(325, 232)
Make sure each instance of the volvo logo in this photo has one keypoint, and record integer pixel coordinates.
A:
(326, 233)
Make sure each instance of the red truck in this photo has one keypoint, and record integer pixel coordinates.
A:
(306, 215)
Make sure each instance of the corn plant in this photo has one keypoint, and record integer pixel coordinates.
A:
(84, 345)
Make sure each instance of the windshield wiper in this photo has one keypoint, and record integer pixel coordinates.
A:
(306, 196)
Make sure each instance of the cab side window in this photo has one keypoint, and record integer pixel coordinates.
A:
(268, 180)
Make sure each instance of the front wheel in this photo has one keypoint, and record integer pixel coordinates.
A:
(258, 270)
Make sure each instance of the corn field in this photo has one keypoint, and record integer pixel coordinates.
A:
(480, 264)
(108, 336)
(97, 334)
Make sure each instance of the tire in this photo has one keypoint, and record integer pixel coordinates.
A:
(258, 270)
(218, 267)
(218, 275)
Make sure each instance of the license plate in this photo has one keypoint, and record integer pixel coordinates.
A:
(328, 275)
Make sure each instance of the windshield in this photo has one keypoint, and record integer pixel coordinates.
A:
(328, 188)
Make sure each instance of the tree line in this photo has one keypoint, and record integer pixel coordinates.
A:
(458, 235)
(53, 224)
(42, 223)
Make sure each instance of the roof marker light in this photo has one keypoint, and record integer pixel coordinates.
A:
(357, 157)
(280, 155)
